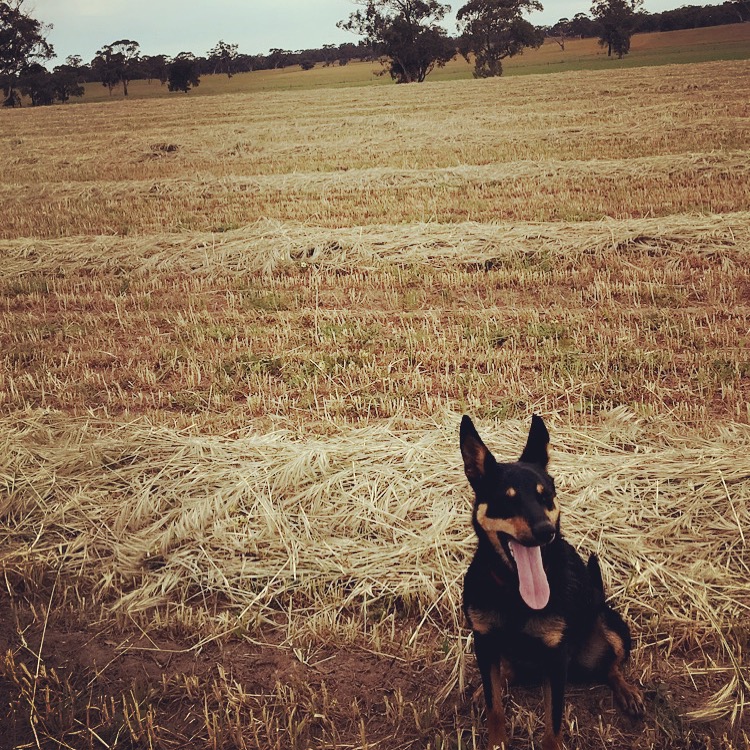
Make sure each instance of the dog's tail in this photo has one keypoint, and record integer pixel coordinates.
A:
(595, 576)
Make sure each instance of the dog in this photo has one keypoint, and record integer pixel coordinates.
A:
(537, 612)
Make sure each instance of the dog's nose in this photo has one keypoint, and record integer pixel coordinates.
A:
(544, 531)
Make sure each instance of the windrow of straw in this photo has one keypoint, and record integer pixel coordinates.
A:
(722, 165)
(669, 110)
(325, 527)
(270, 245)
(314, 285)
(521, 191)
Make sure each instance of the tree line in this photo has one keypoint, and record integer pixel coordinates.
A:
(406, 35)
(684, 17)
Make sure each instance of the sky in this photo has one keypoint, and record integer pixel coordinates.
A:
(81, 27)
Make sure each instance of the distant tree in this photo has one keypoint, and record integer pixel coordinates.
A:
(346, 52)
(117, 64)
(22, 43)
(330, 52)
(561, 32)
(695, 16)
(105, 70)
(406, 33)
(278, 58)
(495, 29)
(35, 81)
(66, 79)
(223, 58)
(43, 87)
(183, 72)
(618, 20)
(740, 9)
(248, 63)
(154, 67)
(582, 26)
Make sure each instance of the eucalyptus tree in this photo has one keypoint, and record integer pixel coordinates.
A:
(492, 30)
(406, 34)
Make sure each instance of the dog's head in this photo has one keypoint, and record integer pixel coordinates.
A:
(515, 510)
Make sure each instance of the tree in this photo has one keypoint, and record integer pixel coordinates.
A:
(406, 33)
(22, 43)
(223, 58)
(739, 9)
(493, 30)
(278, 58)
(154, 67)
(183, 72)
(582, 26)
(66, 79)
(35, 81)
(117, 63)
(346, 52)
(561, 32)
(329, 54)
(43, 87)
(618, 20)
(105, 69)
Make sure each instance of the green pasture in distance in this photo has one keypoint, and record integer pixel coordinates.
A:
(660, 48)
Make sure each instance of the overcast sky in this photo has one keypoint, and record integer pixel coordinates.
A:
(81, 27)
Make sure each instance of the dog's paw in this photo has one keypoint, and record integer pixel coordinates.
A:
(498, 743)
(631, 700)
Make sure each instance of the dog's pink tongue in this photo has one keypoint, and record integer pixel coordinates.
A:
(531, 576)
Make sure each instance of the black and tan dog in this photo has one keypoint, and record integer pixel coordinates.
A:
(537, 612)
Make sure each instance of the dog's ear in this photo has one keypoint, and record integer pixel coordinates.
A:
(477, 458)
(537, 444)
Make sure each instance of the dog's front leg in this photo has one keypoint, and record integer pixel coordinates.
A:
(496, 709)
(554, 703)
(494, 681)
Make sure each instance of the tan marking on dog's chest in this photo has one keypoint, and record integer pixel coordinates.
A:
(550, 630)
(483, 621)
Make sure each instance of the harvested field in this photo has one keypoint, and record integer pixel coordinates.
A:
(232, 511)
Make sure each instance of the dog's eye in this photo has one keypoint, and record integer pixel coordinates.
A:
(545, 493)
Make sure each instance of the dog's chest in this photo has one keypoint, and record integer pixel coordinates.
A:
(548, 629)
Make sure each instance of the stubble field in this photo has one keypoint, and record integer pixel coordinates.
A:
(238, 333)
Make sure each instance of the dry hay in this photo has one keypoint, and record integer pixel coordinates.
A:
(314, 529)
(724, 165)
(319, 535)
(518, 190)
(270, 245)
(565, 147)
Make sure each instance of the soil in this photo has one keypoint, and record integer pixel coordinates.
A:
(353, 686)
